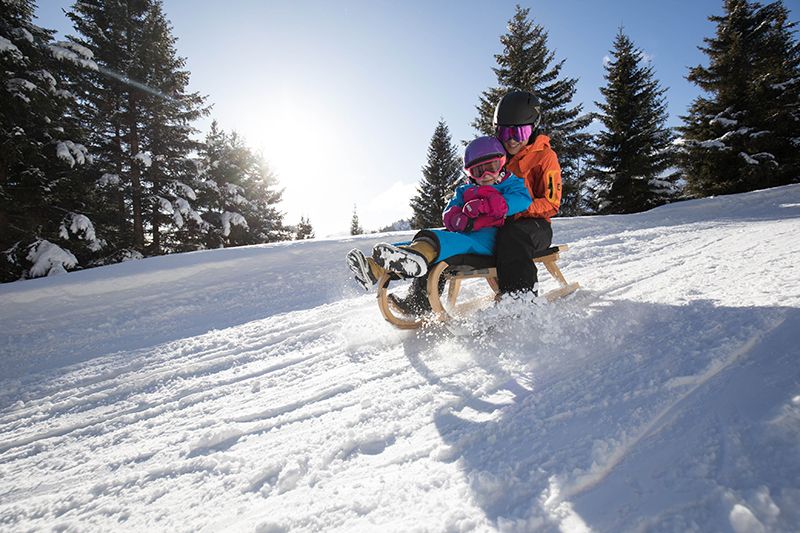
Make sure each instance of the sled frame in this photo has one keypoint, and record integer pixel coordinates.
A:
(453, 277)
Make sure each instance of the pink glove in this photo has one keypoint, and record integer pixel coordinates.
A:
(456, 220)
(484, 200)
(487, 221)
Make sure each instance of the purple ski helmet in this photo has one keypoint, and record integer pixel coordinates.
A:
(483, 149)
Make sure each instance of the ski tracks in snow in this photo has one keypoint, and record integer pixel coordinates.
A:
(278, 411)
(132, 421)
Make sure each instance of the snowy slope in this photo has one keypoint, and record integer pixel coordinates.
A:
(256, 389)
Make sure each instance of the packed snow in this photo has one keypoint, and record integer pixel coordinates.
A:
(256, 389)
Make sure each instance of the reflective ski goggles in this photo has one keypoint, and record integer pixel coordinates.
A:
(487, 166)
(518, 133)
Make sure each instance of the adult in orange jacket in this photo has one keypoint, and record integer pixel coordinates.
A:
(516, 119)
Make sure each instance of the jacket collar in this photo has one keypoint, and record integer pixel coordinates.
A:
(540, 143)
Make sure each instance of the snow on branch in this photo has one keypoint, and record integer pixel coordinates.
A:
(714, 144)
(182, 209)
(165, 205)
(19, 86)
(719, 142)
(65, 94)
(75, 53)
(235, 219)
(749, 160)
(759, 158)
(72, 152)
(721, 119)
(783, 86)
(235, 193)
(185, 190)
(210, 184)
(144, 158)
(22, 33)
(49, 259)
(107, 180)
(7, 47)
(82, 227)
(46, 77)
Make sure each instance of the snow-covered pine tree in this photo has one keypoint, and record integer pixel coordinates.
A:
(304, 230)
(140, 113)
(355, 225)
(404, 224)
(440, 175)
(167, 117)
(527, 64)
(632, 154)
(262, 196)
(237, 194)
(45, 203)
(744, 133)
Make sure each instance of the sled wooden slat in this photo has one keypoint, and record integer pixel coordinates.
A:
(454, 277)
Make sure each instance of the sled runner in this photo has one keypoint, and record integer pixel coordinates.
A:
(456, 269)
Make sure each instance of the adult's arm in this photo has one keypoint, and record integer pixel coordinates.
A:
(547, 206)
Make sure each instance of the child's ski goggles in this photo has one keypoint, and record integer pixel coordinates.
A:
(489, 166)
(518, 133)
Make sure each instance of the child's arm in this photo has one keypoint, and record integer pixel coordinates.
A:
(458, 197)
(484, 200)
(453, 217)
(489, 205)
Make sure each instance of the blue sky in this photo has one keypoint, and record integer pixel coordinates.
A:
(343, 97)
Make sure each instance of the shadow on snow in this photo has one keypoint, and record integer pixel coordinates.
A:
(640, 416)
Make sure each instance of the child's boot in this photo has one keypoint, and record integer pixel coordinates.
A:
(363, 268)
(410, 261)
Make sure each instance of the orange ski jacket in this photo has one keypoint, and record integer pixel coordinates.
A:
(537, 164)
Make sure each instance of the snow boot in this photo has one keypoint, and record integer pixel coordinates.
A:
(415, 303)
(360, 267)
(409, 261)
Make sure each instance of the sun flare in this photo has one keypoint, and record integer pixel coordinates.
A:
(305, 145)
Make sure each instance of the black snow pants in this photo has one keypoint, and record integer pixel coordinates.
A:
(516, 243)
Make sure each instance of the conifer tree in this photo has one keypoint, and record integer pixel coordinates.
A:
(527, 64)
(45, 202)
(744, 133)
(439, 177)
(140, 113)
(633, 152)
(168, 112)
(236, 195)
(304, 229)
(355, 225)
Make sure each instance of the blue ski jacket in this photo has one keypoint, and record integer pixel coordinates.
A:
(481, 241)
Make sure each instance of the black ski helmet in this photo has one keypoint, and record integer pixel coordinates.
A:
(518, 108)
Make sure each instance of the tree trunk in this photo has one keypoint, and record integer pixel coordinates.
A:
(156, 245)
(121, 220)
(136, 177)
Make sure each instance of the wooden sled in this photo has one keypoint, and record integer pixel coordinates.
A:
(452, 272)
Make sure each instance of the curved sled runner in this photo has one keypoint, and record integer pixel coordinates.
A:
(458, 268)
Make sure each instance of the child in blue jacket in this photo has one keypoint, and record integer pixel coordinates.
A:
(471, 219)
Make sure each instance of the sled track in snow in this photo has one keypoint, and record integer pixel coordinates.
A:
(126, 392)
